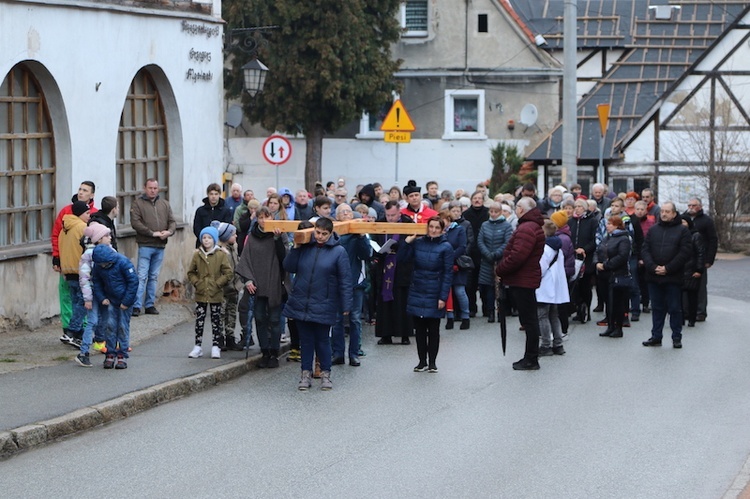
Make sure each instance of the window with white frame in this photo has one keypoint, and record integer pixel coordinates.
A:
(27, 161)
(142, 148)
(370, 123)
(464, 114)
(414, 17)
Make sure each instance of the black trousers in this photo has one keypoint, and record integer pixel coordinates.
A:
(427, 331)
(525, 299)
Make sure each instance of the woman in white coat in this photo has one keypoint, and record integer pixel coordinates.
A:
(552, 291)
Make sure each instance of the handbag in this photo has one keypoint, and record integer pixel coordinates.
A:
(690, 283)
(622, 281)
(465, 262)
(580, 268)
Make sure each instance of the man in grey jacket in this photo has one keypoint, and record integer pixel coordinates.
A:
(151, 218)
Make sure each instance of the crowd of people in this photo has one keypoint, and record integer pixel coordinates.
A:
(515, 254)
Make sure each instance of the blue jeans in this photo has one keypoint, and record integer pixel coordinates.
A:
(313, 339)
(461, 299)
(92, 330)
(665, 298)
(268, 324)
(355, 327)
(118, 331)
(75, 324)
(149, 266)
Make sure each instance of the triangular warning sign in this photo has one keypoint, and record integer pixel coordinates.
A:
(397, 119)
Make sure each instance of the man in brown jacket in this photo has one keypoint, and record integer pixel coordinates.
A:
(520, 271)
(151, 218)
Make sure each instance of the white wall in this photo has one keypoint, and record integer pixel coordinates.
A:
(453, 164)
(85, 56)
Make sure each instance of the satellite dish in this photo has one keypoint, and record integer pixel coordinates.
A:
(234, 116)
(528, 115)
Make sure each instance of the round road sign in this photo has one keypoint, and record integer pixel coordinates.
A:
(277, 150)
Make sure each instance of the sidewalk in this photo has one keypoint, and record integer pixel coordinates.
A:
(46, 395)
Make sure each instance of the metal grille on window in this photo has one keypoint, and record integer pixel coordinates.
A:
(416, 15)
(27, 161)
(142, 149)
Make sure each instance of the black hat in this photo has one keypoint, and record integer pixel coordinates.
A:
(411, 186)
(80, 207)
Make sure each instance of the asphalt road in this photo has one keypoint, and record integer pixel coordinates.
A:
(609, 419)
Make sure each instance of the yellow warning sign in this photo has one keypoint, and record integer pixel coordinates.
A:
(603, 111)
(397, 119)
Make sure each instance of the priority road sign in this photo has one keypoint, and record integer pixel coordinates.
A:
(397, 119)
(277, 150)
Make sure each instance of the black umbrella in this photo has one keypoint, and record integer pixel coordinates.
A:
(501, 302)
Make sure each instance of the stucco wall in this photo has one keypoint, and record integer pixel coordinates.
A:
(85, 55)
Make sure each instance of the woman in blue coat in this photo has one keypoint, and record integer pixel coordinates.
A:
(322, 287)
(432, 256)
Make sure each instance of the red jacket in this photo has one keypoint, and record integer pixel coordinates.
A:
(519, 266)
(420, 217)
(57, 227)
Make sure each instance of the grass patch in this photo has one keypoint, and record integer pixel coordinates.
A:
(62, 358)
(8, 361)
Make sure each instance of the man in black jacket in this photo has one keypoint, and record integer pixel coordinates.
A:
(704, 224)
(214, 208)
(666, 250)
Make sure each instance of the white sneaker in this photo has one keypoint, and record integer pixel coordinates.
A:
(215, 352)
(285, 338)
(196, 352)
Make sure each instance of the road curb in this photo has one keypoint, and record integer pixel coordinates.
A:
(40, 433)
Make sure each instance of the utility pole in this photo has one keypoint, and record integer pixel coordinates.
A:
(570, 104)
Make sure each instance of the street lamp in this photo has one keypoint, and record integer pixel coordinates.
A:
(254, 74)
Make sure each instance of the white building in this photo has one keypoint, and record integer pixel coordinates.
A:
(112, 92)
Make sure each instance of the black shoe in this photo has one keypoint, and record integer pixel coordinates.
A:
(421, 367)
(677, 343)
(136, 312)
(472, 314)
(646, 309)
(449, 324)
(109, 361)
(386, 340)
(691, 323)
(599, 308)
(700, 317)
(558, 350)
(232, 344)
(465, 324)
(273, 362)
(491, 319)
(545, 352)
(432, 369)
(354, 362)
(607, 333)
(526, 365)
(83, 360)
(617, 333)
(152, 311)
(337, 361)
(652, 342)
(263, 362)
(405, 341)
(635, 318)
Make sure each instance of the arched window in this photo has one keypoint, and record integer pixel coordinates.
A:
(27, 161)
(142, 148)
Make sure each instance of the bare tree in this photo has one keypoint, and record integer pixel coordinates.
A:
(713, 142)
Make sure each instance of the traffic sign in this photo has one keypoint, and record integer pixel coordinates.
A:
(397, 119)
(397, 137)
(277, 150)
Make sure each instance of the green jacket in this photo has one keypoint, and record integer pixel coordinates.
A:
(209, 273)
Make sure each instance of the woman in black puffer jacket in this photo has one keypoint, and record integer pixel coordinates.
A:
(612, 258)
(431, 282)
(583, 234)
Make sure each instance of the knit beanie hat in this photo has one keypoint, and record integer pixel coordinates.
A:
(211, 231)
(560, 218)
(225, 230)
(96, 231)
(372, 213)
(411, 186)
(80, 207)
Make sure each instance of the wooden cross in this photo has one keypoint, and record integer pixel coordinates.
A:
(356, 226)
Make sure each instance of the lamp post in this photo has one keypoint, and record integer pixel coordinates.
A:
(253, 72)
(254, 75)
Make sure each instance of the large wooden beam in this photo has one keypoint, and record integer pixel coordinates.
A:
(348, 227)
